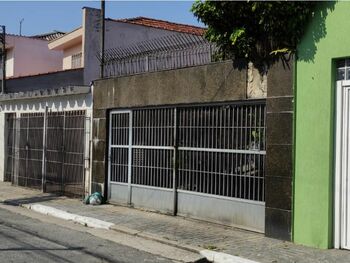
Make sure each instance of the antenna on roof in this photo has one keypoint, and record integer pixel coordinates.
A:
(20, 26)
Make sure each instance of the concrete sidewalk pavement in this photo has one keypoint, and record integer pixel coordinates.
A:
(192, 235)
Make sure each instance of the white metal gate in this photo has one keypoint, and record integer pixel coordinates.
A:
(342, 168)
(200, 161)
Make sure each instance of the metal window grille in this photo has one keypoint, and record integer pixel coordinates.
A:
(219, 149)
(76, 60)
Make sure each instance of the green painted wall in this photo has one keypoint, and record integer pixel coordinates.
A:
(327, 38)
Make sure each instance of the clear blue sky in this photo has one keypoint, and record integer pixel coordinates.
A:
(45, 16)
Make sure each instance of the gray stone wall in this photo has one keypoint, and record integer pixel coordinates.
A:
(216, 82)
(279, 151)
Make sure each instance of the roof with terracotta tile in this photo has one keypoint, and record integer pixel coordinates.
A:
(162, 24)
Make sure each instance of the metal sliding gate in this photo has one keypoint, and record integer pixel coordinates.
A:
(48, 151)
(201, 161)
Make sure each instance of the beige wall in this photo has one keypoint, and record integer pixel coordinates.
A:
(9, 63)
(67, 55)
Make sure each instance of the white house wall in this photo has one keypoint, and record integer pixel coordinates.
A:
(118, 34)
(62, 103)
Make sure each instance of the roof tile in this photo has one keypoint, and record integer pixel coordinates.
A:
(162, 24)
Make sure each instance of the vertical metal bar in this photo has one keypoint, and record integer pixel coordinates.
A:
(259, 164)
(245, 155)
(43, 166)
(63, 152)
(27, 151)
(175, 164)
(264, 125)
(129, 158)
(201, 144)
(216, 127)
(250, 156)
(220, 160)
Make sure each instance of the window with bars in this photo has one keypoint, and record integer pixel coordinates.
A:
(77, 60)
(343, 69)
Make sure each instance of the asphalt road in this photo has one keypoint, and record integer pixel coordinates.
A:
(24, 239)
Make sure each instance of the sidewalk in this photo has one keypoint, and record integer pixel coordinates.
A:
(184, 233)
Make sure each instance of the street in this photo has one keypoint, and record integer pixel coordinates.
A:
(24, 239)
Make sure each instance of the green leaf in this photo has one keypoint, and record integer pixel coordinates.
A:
(236, 35)
(279, 51)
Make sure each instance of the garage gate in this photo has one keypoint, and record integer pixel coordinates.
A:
(202, 161)
(48, 151)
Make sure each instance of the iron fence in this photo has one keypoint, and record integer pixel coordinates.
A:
(29, 154)
(222, 150)
(65, 144)
(170, 52)
(216, 149)
(47, 151)
(11, 134)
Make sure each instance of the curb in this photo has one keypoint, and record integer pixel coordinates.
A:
(208, 255)
(219, 257)
(83, 220)
(96, 223)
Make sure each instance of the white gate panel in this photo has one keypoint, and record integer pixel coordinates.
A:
(204, 162)
(235, 212)
(342, 168)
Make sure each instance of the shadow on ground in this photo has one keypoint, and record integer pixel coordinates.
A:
(30, 200)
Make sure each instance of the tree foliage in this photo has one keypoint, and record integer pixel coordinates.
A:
(260, 31)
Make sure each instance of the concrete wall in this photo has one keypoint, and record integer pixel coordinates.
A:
(210, 83)
(218, 82)
(118, 34)
(45, 81)
(325, 40)
(32, 56)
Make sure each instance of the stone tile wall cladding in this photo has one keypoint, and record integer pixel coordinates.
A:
(217, 82)
(279, 151)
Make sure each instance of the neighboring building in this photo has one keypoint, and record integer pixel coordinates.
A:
(321, 176)
(29, 56)
(81, 47)
(40, 102)
(49, 36)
